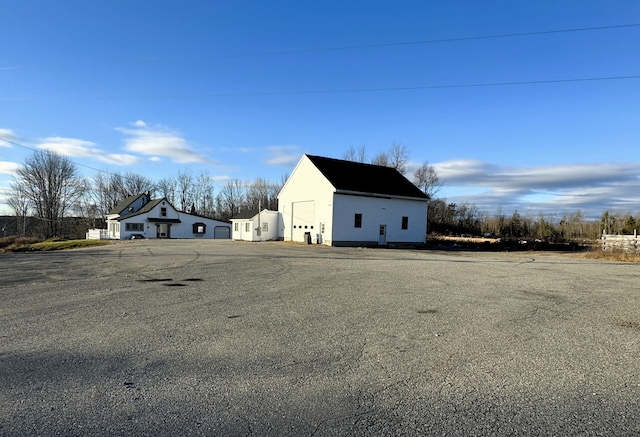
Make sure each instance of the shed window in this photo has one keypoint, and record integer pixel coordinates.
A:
(358, 221)
(405, 222)
(247, 227)
(199, 228)
(236, 226)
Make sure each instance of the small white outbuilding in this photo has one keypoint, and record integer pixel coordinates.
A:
(255, 225)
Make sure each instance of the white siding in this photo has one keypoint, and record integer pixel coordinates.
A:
(308, 199)
(268, 222)
(306, 184)
(376, 212)
(184, 229)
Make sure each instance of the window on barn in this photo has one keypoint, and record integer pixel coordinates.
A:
(358, 221)
(199, 228)
(134, 227)
(405, 222)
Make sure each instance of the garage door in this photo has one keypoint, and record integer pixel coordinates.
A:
(303, 220)
(222, 232)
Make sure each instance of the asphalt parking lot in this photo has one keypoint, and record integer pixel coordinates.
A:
(186, 337)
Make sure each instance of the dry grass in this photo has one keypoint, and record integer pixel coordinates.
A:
(611, 255)
(7, 244)
(29, 244)
(465, 239)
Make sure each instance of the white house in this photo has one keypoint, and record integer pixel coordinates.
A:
(343, 203)
(139, 215)
(254, 225)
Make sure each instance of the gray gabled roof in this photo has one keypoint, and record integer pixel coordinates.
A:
(146, 208)
(245, 215)
(362, 178)
(122, 205)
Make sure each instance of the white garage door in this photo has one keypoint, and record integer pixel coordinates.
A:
(303, 219)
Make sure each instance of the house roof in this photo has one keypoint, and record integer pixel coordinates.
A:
(245, 215)
(365, 178)
(146, 208)
(120, 206)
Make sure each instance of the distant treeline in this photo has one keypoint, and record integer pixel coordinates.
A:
(458, 219)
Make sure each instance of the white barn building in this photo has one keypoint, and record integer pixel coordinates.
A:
(343, 203)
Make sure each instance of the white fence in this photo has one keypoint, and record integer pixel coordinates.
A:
(98, 234)
(628, 243)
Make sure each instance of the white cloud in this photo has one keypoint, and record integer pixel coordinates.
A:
(7, 134)
(591, 186)
(4, 196)
(159, 141)
(155, 159)
(120, 159)
(221, 178)
(70, 147)
(286, 156)
(10, 168)
(86, 149)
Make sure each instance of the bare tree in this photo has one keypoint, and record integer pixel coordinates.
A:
(50, 182)
(134, 184)
(19, 202)
(381, 159)
(262, 193)
(203, 194)
(185, 189)
(167, 189)
(104, 198)
(355, 155)
(398, 157)
(230, 199)
(426, 178)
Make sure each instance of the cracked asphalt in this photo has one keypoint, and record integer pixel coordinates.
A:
(184, 337)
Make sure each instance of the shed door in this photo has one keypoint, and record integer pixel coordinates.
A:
(382, 237)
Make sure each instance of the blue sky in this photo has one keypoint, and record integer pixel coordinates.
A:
(243, 89)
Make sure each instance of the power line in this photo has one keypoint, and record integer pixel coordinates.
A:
(332, 91)
(44, 151)
(327, 49)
